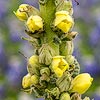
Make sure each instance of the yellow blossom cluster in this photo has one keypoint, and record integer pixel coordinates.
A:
(34, 22)
(26, 13)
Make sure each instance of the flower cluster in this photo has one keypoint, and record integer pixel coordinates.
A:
(53, 72)
(30, 15)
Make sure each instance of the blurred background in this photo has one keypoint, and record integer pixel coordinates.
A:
(13, 64)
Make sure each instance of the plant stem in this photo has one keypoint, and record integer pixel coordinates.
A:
(47, 13)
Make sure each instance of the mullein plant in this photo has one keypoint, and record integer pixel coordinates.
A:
(53, 72)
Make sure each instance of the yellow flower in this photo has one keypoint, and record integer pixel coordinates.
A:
(34, 23)
(65, 96)
(34, 79)
(63, 21)
(21, 12)
(81, 83)
(59, 65)
(26, 81)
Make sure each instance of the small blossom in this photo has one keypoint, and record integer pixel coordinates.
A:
(24, 11)
(21, 12)
(33, 59)
(65, 96)
(34, 79)
(34, 23)
(59, 65)
(81, 83)
(26, 81)
(63, 21)
(29, 80)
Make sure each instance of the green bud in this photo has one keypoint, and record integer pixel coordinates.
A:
(66, 48)
(34, 79)
(46, 52)
(64, 82)
(45, 71)
(76, 70)
(33, 65)
(70, 59)
(65, 96)
(65, 5)
(54, 92)
(74, 65)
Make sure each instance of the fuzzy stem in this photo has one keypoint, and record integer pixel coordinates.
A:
(47, 13)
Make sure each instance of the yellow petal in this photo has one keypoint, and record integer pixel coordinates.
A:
(34, 79)
(81, 83)
(63, 65)
(58, 72)
(21, 15)
(26, 81)
(62, 13)
(59, 19)
(63, 21)
(55, 63)
(34, 23)
(33, 60)
(23, 6)
(59, 65)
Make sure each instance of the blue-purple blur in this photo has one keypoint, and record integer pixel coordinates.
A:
(13, 64)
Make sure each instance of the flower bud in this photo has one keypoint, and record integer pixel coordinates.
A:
(66, 48)
(34, 23)
(66, 6)
(64, 82)
(34, 79)
(26, 81)
(24, 11)
(21, 12)
(81, 83)
(59, 65)
(46, 52)
(45, 71)
(63, 21)
(70, 59)
(65, 96)
(33, 65)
